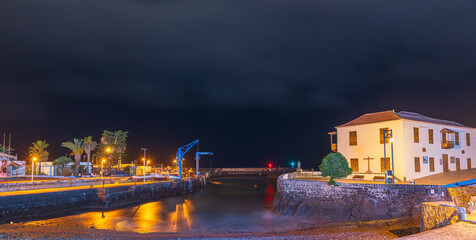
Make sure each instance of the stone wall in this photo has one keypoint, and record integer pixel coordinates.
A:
(246, 172)
(462, 195)
(46, 205)
(351, 201)
(43, 205)
(440, 214)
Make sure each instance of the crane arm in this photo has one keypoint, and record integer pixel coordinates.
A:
(182, 150)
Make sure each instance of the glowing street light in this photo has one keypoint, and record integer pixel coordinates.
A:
(108, 149)
(32, 168)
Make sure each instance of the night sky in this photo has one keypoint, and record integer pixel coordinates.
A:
(255, 80)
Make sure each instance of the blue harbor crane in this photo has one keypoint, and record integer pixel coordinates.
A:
(197, 158)
(180, 153)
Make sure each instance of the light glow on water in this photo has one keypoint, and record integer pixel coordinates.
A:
(234, 206)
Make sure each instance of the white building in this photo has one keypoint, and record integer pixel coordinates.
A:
(421, 145)
(10, 166)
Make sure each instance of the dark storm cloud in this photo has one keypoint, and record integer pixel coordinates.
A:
(273, 54)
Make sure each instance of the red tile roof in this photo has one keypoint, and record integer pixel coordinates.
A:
(391, 115)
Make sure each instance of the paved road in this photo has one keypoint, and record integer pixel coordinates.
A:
(449, 177)
(460, 231)
(46, 190)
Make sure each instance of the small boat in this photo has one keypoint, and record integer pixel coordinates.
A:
(160, 176)
(141, 178)
(174, 177)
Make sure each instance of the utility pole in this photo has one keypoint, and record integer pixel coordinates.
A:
(144, 149)
(386, 134)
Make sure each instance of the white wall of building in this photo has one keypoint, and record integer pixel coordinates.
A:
(405, 150)
(434, 150)
(368, 145)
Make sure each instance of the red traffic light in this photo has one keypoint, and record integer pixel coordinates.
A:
(270, 165)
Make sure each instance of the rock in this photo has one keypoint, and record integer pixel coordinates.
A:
(416, 211)
(370, 209)
(302, 210)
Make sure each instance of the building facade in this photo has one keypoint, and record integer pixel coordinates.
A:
(10, 166)
(421, 145)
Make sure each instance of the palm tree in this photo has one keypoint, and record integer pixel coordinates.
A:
(76, 146)
(89, 145)
(62, 161)
(38, 150)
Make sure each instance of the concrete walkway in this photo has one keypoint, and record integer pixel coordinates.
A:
(448, 177)
(460, 231)
(436, 179)
(47, 190)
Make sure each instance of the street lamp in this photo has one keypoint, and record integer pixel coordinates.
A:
(393, 168)
(143, 159)
(144, 149)
(387, 134)
(102, 167)
(32, 168)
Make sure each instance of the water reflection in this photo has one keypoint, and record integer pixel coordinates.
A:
(233, 206)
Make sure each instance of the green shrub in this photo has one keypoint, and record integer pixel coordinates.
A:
(335, 165)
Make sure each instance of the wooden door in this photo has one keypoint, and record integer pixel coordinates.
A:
(458, 166)
(382, 165)
(417, 164)
(354, 164)
(445, 163)
(469, 163)
(432, 164)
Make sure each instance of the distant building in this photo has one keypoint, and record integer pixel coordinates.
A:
(422, 145)
(10, 166)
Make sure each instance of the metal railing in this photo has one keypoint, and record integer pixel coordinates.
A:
(447, 144)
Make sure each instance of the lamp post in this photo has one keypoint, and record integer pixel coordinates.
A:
(102, 167)
(386, 134)
(144, 149)
(32, 168)
(393, 168)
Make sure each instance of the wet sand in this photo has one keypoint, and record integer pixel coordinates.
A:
(356, 230)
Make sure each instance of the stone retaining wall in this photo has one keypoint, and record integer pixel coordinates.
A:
(46, 205)
(462, 195)
(350, 201)
(440, 214)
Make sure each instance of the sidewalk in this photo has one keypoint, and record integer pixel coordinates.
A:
(47, 190)
(460, 231)
(448, 177)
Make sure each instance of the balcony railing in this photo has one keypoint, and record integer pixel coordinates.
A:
(447, 144)
(334, 147)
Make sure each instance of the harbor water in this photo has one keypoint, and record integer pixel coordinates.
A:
(228, 205)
